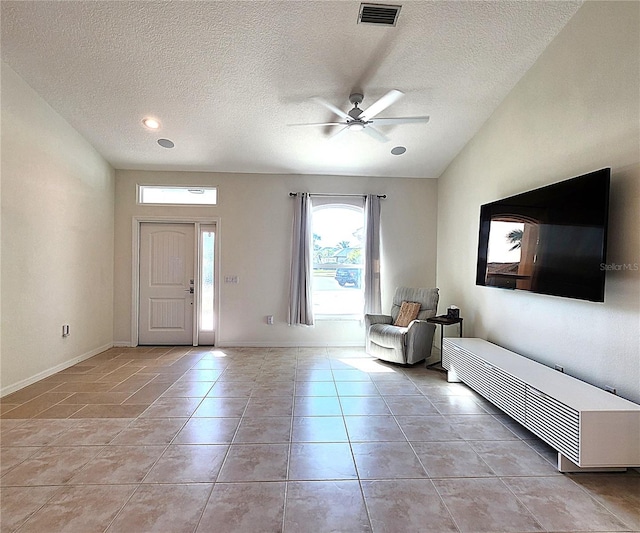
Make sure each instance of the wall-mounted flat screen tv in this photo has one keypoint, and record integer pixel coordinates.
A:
(552, 240)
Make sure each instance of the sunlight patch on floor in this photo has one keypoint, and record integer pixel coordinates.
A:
(367, 365)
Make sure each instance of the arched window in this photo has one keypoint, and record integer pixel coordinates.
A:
(338, 258)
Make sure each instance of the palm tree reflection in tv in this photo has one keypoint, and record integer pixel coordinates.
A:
(512, 252)
(515, 237)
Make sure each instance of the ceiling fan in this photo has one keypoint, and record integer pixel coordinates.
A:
(364, 119)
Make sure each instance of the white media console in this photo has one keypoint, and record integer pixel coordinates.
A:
(590, 428)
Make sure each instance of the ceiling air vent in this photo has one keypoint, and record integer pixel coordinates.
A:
(378, 14)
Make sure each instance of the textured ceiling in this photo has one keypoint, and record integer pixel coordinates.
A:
(225, 78)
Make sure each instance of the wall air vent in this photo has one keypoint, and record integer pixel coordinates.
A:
(378, 14)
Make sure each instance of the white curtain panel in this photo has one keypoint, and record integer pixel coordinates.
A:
(300, 303)
(372, 302)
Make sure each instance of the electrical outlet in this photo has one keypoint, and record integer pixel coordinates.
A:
(65, 330)
(231, 279)
(559, 368)
(270, 320)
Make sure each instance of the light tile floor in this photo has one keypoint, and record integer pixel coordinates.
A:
(300, 440)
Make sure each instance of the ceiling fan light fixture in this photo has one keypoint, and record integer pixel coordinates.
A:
(356, 126)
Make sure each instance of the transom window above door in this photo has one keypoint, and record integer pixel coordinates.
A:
(175, 195)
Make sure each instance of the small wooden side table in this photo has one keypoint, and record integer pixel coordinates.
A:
(442, 321)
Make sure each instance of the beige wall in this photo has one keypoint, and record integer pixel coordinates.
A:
(255, 213)
(57, 240)
(575, 111)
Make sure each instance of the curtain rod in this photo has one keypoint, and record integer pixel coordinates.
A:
(383, 196)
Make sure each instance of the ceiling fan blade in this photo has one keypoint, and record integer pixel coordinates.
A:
(376, 134)
(331, 107)
(320, 124)
(399, 120)
(339, 133)
(380, 105)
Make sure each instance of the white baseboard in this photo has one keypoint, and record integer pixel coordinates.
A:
(264, 344)
(123, 344)
(234, 344)
(50, 371)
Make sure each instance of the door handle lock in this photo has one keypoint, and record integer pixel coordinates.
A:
(189, 290)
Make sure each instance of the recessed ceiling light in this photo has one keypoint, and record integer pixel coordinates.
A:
(166, 143)
(151, 123)
(398, 150)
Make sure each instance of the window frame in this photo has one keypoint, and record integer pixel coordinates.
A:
(355, 203)
(141, 187)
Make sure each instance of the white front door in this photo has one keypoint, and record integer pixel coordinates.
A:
(166, 283)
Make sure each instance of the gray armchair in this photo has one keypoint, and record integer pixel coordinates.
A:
(398, 344)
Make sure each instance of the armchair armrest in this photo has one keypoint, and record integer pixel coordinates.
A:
(370, 320)
(419, 340)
